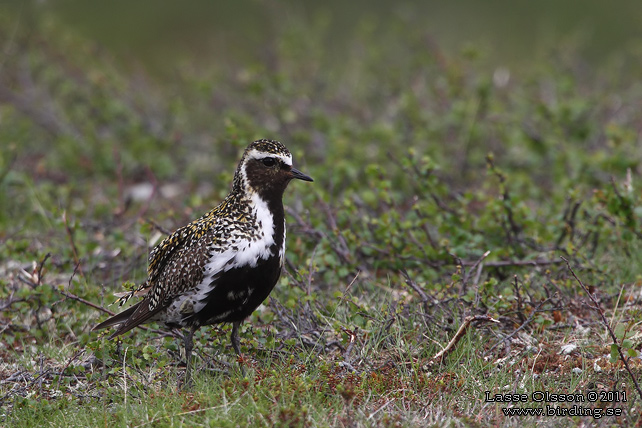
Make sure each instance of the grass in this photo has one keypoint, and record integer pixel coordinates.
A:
(441, 192)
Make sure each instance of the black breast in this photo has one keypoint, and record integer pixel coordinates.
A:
(239, 291)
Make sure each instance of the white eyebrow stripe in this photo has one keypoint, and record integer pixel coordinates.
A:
(255, 154)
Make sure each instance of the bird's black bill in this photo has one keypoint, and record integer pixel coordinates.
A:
(301, 176)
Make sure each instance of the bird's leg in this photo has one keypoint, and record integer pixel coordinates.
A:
(236, 341)
(188, 335)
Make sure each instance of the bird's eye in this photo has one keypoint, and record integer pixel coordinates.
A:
(269, 162)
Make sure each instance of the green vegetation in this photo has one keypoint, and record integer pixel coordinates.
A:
(444, 188)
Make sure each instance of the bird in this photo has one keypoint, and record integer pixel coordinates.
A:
(222, 266)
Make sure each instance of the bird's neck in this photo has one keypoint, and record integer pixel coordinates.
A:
(269, 214)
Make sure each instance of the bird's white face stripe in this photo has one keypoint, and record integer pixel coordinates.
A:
(255, 154)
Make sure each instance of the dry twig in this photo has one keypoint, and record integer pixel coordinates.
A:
(479, 265)
(74, 251)
(412, 284)
(599, 310)
(460, 333)
(504, 263)
(522, 326)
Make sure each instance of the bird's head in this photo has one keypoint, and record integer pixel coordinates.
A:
(266, 168)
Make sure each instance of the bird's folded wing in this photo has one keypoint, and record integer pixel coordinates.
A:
(164, 251)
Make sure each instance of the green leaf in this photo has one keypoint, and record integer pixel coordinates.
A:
(615, 356)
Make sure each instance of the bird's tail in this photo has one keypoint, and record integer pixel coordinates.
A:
(118, 318)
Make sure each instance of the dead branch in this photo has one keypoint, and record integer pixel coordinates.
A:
(342, 249)
(460, 333)
(72, 296)
(605, 322)
(352, 334)
(74, 251)
(523, 325)
(158, 227)
(41, 266)
(503, 263)
(412, 284)
(570, 213)
(84, 302)
(512, 233)
(478, 263)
